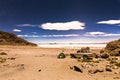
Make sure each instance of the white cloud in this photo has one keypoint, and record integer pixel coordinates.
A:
(111, 22)
(33, 36)
(25, 25)
(95, 33)
(98, 34)
(73, 25)
(17, 30)
(68, 35)
(112, 35)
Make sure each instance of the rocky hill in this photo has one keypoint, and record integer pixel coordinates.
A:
(113, 47)
(11, 39)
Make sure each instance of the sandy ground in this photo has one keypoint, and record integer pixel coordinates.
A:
(33, 63)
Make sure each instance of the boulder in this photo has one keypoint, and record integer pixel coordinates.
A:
(113, 48)
(108, 69)
(72, 56)
(76, 68)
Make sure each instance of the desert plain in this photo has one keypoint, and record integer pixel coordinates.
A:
(35, 63)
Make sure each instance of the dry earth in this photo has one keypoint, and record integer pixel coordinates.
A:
(33, 63)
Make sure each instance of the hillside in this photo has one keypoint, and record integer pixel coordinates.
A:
(113, 47)
(11, 39)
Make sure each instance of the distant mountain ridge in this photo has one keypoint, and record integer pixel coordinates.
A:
(11, 39)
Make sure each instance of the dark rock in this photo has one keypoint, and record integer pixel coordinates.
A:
(85, 56)
(12, 58)
(39, 70)
(114, 58)
(75, 68)
(72, 56)
(78, 51)
(108, 69)
(93, 71)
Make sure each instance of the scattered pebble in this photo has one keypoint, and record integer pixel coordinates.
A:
(39, 70)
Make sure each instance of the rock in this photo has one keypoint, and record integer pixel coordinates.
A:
(114, 67)
(20, 68)
(72, 56)
(21, 64)
(93, 71)
(114, 58)
(12, 58)
(75, 68)
(39, 70)
(113, 48)
(116, 77)
(100, 70)
(117, 72)
(108, 69)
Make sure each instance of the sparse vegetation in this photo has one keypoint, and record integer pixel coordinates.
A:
(3, 53)
(113, 62)
(2, 60)
(78, 51)
(115, 54)
(95, 55)
(96, 61)
(105, 56)
(85, 60)
(66, 54)
(118, 64)
(101, 51)
(61, 55)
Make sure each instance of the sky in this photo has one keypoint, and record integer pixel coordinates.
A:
(75, 21)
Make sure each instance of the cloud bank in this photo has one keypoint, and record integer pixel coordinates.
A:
(101, 34)
(67, 35)
(17, 30)
(111, 22)
(73, 25)
(35, 36)
(28, 36)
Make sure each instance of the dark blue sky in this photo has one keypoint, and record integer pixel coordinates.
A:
(26, 17)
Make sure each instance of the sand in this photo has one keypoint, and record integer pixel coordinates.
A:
(34, 63)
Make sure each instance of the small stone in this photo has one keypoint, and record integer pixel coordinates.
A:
(108, 69)
(93, 71)
(22, 64)
(116, 77)
(75, 68)
(115, 67)
(39, 70)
